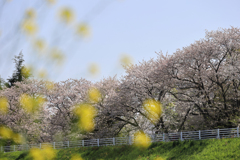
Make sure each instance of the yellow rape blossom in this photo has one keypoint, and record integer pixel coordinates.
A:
(153, 109)
(3, 105)
(49, 85)
(31, 104)
(17, 138)
(42, 73)
(6, 133)
(26, 71)
(94, 95)
(39, 44)
(51, 1)
(36, 154)
(159, 158)
(94, 69)
(76, 157)
(174, 90)
(83, 30)
(30, 13)
(29, 27)
(66, 15)
(47, 153)
(86, 113)
(126, 60)
(141, 140)
(57, 56)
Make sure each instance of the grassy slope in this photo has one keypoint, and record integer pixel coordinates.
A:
(186, 150)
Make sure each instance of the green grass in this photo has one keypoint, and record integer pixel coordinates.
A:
(225, 149)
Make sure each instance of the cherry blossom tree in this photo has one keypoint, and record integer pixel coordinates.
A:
(205, 78)
(139, 85)
(33, 126)
(62, 99)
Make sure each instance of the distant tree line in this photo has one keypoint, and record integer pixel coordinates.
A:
(198, 87)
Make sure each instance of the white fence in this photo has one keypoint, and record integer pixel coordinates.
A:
(165, 137)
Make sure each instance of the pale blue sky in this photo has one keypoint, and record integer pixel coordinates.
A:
(138, 28)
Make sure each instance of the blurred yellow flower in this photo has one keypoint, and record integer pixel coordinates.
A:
(36, 154)
(76, 157)
(94, 95)
(46, 153)
(94, 69)
(30, 13)
(31, 104)
(49, 85)
(174, 90)
(87, 124)
(86, 113)
(57, 56)
(66, 15)
(3, 105)
(39, 44)
(83, 30)
(51, 1)
(17, 138)
(141, 140)
(6, 133)
(42, 73)
(153, 109)
(26, 71)
(126, 60)
(29, 27)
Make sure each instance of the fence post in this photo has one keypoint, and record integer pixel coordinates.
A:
(181, 136)
(14, 148)
(237, 131)
(83, 143)
(53, 145)
(68, 144)
(98, 142)
(40, 145)
(153, 137)
(113, 141)
(129, 140)
(1, 149)
(163, 138)
(199, 134)
(218, 136)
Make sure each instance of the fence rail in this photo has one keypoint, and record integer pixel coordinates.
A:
(165, 137)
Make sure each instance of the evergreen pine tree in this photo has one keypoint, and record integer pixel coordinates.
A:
(18, 75)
